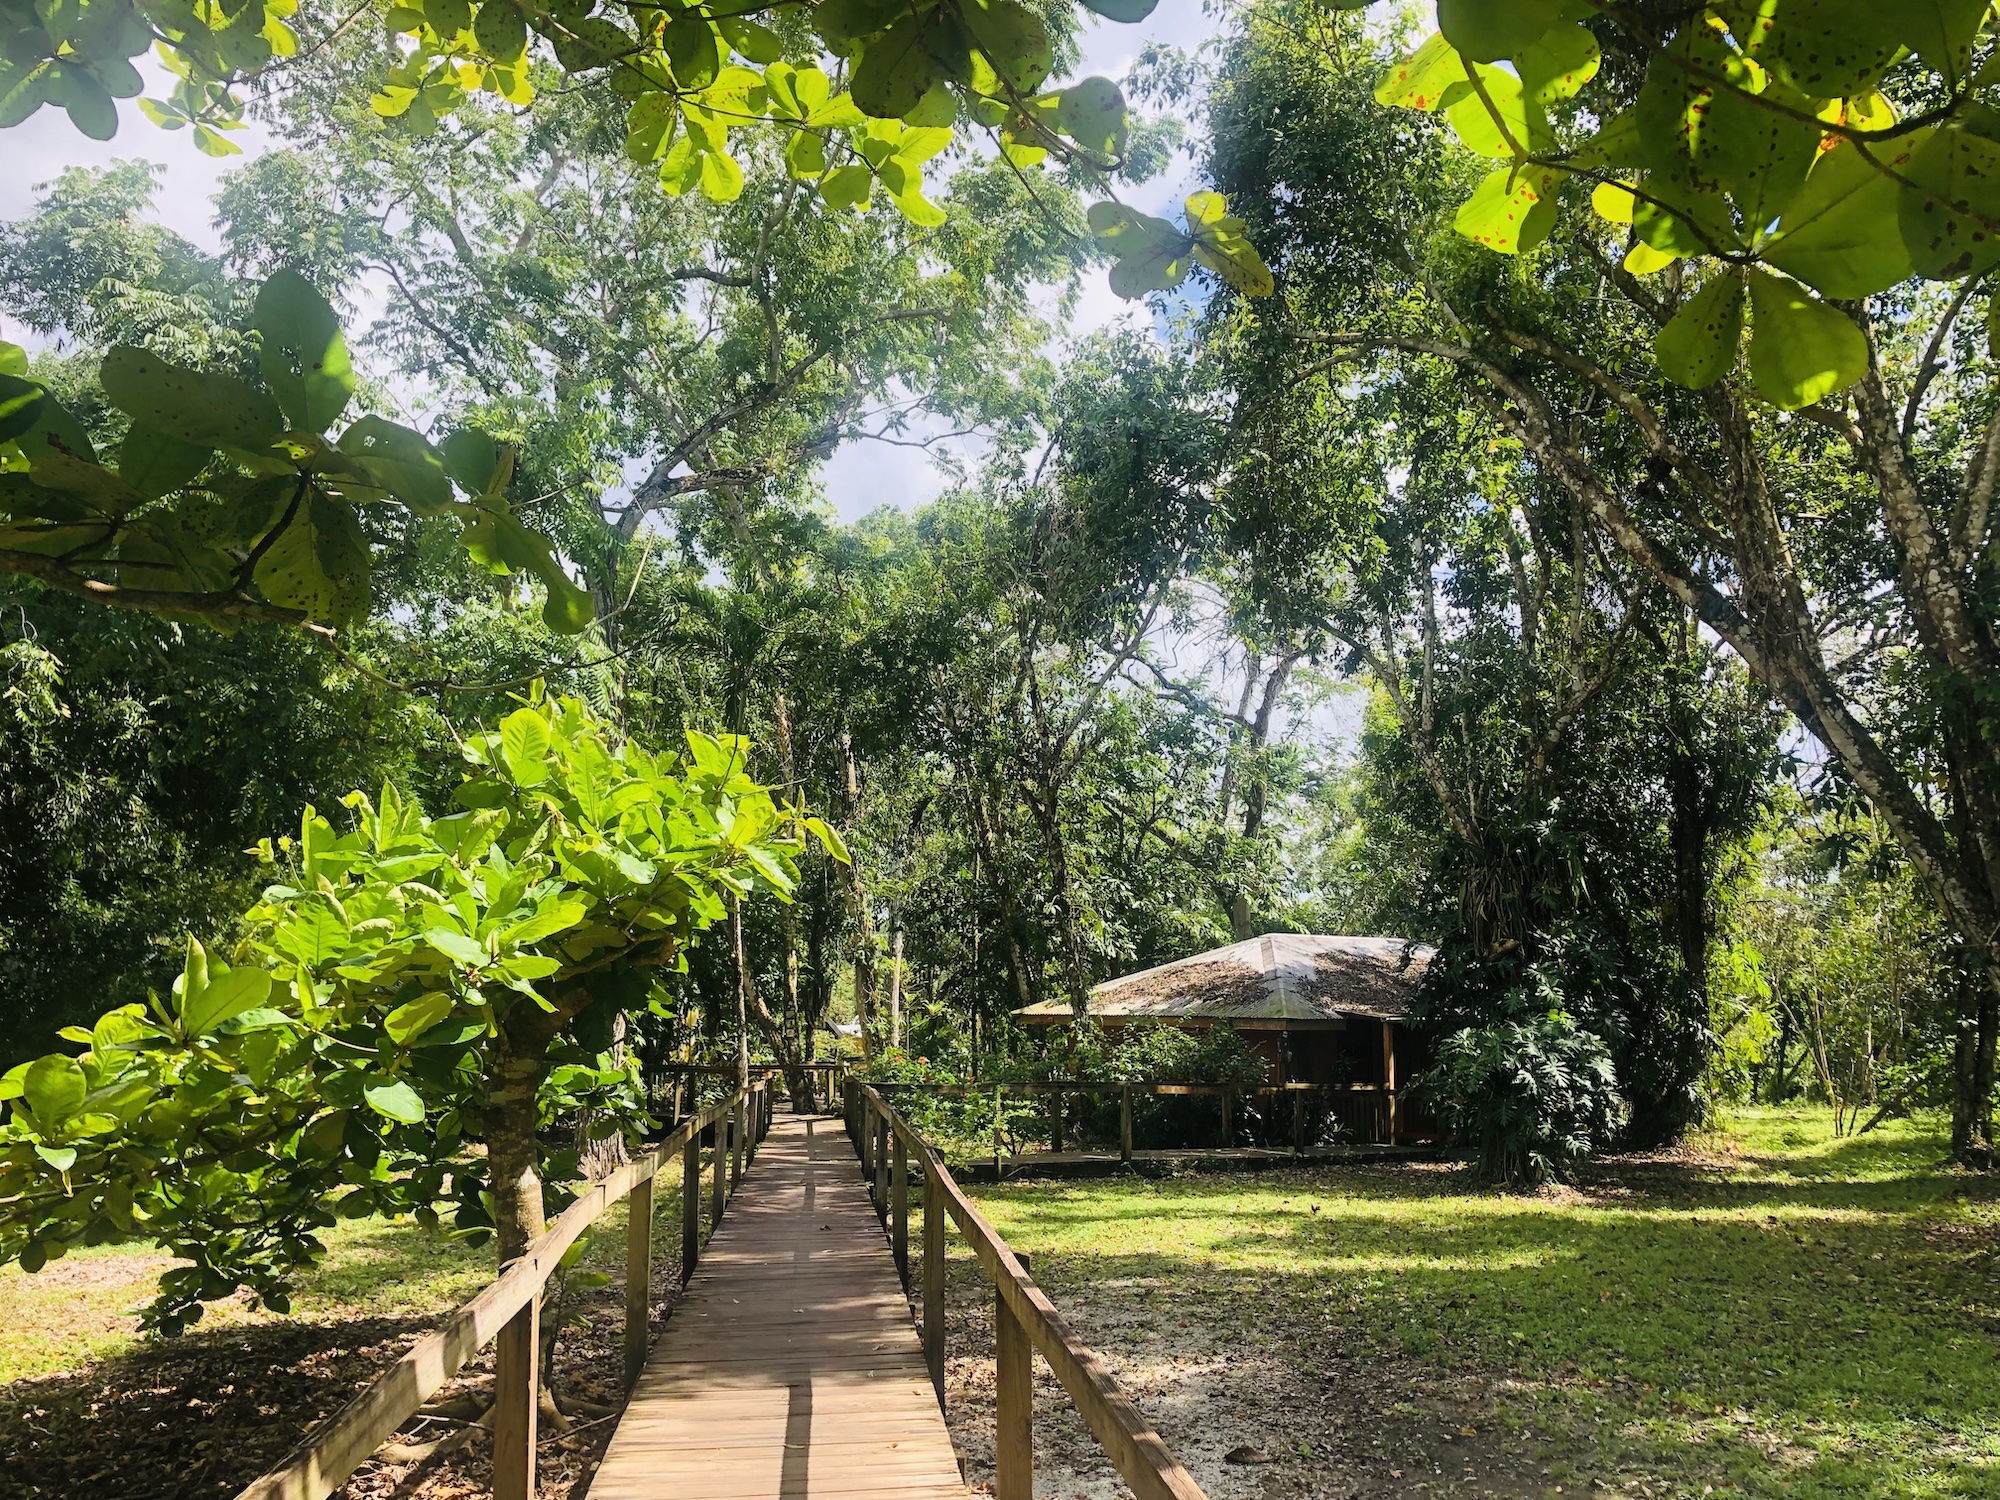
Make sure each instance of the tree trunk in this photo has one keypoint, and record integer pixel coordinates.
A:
(788, 920)
(742, 993)
(512, 1157)
(857, 902)
(895, 981)
(1972, 1133)
(1243, 921)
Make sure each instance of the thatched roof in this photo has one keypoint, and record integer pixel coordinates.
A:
(1280, 979)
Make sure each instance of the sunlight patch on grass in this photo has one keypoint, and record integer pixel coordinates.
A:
(1784, 1314)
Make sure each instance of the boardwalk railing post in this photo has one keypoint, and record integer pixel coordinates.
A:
(1056, 1122)
(1125, 1124)
(719, 1193)
(638, 1277)
(1225, 1115)
(864, 1144)
(882, 1164)
(690, 1204)
(737, 1135)
(899, 1208)
(1014, 1405)
(516, 1363)
(1298, 1123)
(934, 1277)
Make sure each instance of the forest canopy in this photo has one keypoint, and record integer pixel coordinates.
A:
(1438, 562)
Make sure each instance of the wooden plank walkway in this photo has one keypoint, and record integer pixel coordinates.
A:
(790, 1369)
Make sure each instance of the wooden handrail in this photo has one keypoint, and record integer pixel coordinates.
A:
(1112, 1086)
(1025, 1321)
(508, 1308)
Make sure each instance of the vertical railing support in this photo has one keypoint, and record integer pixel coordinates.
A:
(1056, 1122)
(882, 1164)
(1298, 1123)
(638, 1277)
(719, 1193)
(899, 1206)
(690, 1204)
(996, 1134)
(1014, 1405)
(934, 1277)
(1225, 1117)
(864, 1144)
(737, 1136)
(1125, 1124)
(516, 1364)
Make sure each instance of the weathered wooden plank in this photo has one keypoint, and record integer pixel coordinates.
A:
(791, 1369)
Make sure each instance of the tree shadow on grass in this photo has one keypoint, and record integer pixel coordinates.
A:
(199, 1416)
(1775, 1334)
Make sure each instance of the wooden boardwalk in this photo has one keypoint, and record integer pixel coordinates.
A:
(790, 1369)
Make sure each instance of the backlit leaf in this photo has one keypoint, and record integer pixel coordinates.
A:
(1841, 234)
(1698, 347)
(1801, 349)
(212, 411)
(394, 1099)
(303, 355)
(1510, 211)
(525, 743)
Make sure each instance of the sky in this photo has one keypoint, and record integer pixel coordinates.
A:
(860, 477)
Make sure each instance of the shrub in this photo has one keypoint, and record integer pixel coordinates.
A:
(1531, 1093)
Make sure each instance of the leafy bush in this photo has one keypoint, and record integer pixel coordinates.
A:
(1531, 1092)
(406, 991)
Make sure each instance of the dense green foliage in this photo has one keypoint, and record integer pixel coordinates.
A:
(407, 988)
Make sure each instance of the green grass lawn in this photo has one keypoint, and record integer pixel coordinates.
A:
(1774, 1314)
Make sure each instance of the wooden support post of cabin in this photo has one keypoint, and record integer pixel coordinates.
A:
(1056, 1121)
(690, 1204)
(899, 1207)
(1226, 1137)
(1298, 1123)
(882, 1166)
(1014, 1403)
(934, 1278)
(516, 1365)
(720, 1191)
(1389, 1078)
(638, 1276)
(738, 1135)
(1125, 1124)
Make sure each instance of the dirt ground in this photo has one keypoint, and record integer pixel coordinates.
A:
(200, 1417)
(1247, 1426)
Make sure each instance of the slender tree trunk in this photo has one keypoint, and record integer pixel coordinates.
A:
(1243, 921)
(987, 840)
(512, 1157)
(1972, 1132)
(857, 902)
(895, 980)
(742, 993)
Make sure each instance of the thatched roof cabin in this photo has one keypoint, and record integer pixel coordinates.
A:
(1318, 1009)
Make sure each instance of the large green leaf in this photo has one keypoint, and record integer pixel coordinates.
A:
(1092, 113)
(526, 746)
(1801, 349)
(1127, 11)
(1952, 197)
(212, 411)
(470, 457)
(1421, 80)
(396, 459)
(501, 29)
(223, 998)
(1829, 49)
(409, 1021)
(320, 564)
(394, 1099)
(53, 1089)
(1221, 245)
(1699, 345)
(1014, 39)
(1841, 234)
(1510, 211)
(1940, 32)
(303, 356)
(896, 70)
(20, 406)
(13, 359)
(1488, 30)
(155, 464)
(1153, 255)
(55, 433)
